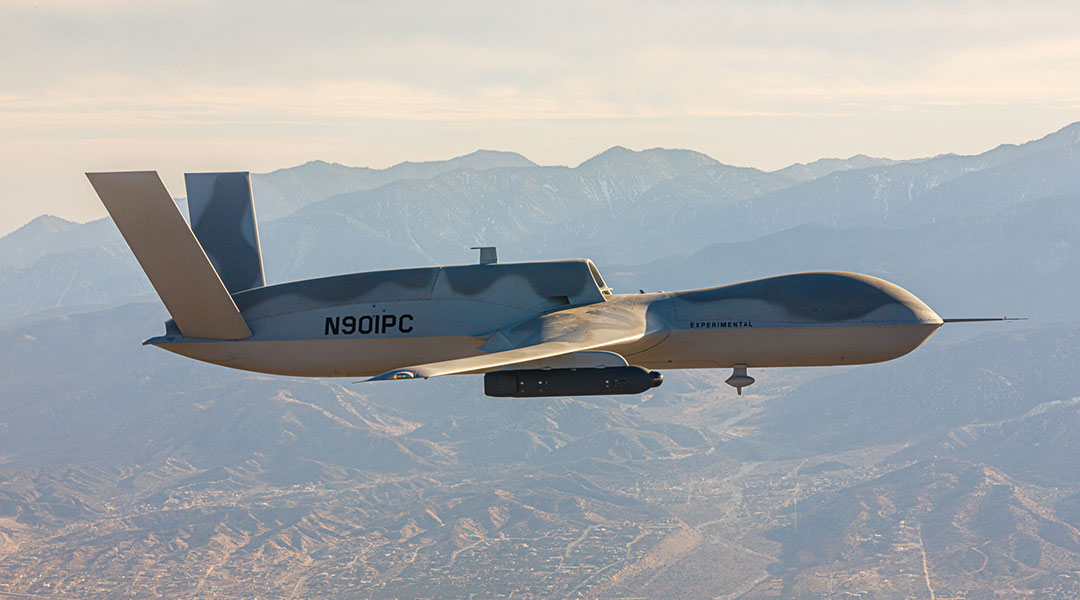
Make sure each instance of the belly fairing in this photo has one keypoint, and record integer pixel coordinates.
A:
(351, 357)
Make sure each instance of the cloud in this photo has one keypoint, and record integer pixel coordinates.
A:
(564, 78)
(210, 63)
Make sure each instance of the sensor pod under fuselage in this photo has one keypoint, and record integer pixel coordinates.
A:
(536, 383)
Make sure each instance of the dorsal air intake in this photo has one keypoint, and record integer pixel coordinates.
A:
(223, 218)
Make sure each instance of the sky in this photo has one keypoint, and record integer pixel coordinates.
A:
(220, 86)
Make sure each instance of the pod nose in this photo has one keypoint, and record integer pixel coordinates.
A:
(657, 378)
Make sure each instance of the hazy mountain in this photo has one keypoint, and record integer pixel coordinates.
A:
(277, 194)
(618, 196)
(986, 265)
(943, 525)
(883, 195)
(996, 376)
(1040, 446)
(17, 245)
(1049, 172)
(47, 235)
(819, 168)
(74, 281)
(531, 212)
(626, 207)
(665, 202)
(594, 210)
(82, 388)
(286, 190)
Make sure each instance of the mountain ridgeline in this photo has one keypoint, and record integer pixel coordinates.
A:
(1009, 212)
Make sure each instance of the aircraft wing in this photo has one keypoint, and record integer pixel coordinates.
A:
(549, 335)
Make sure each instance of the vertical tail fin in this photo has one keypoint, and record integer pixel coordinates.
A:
(170, 255)
(223, 219)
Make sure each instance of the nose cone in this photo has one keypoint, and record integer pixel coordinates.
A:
(898, 305)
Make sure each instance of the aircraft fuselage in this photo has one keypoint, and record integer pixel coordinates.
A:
(807, 319)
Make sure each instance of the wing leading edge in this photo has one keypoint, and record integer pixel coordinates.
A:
(551, 335)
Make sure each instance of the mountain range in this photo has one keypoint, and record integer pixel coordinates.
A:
(623, 208)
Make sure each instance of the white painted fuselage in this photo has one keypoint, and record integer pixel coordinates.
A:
(808, 319)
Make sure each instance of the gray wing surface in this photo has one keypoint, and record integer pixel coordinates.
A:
(553, 334)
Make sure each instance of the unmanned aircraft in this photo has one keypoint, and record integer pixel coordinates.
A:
(549, 328)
